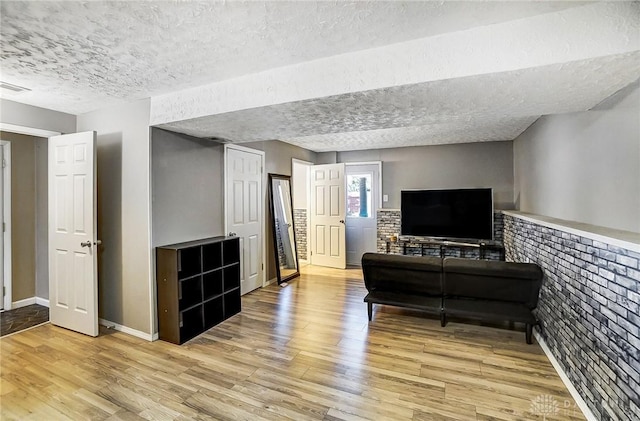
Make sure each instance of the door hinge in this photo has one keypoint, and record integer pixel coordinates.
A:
(263, 266)
(4, 227)
(4, 163)
(4, 291)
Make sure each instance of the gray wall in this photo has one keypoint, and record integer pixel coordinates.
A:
(278, 155)
(584, 166)
(484, 164)
(187, 176)
(42, 219)
(35, 117)
(126, 287)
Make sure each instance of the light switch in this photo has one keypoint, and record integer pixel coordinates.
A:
(385, 197)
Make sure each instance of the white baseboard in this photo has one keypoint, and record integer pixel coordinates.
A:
(23, 303)
(565, 379)
(42, 301)
(30, 301)
(128, 330)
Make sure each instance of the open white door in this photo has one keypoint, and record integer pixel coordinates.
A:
(327, 215)
(244, 212)
(73, 275)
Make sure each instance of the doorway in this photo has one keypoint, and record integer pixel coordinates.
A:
(363, 190)
(300, 185)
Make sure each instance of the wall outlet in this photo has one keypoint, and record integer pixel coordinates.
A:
(385, 197)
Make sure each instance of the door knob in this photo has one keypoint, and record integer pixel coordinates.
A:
(342, 221)
(85, 244)
(97, 242)
(232, 234)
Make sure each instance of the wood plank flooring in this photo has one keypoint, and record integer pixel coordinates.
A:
(302, 352)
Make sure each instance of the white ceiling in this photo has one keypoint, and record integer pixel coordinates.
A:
(77, 57)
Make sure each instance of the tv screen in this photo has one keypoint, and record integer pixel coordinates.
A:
(459, 213)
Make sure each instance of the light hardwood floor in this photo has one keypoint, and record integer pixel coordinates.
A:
(305, 351)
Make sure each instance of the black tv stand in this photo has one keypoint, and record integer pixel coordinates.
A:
(443, 244)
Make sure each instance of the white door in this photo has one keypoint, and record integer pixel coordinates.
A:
(73, 274)
(363, 200)
(327, 215)
(244, 211)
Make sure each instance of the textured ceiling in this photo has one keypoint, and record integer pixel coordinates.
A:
(490, 107)
(82, 56)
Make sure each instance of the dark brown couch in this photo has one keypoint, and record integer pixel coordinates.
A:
(466, 288)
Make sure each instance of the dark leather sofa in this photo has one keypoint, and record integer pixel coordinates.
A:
(466, 288)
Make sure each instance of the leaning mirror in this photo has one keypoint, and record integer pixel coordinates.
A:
(284, 239)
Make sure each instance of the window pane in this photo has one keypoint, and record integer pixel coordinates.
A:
(359, 195)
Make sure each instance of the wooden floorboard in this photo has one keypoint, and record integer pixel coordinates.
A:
(306, 351)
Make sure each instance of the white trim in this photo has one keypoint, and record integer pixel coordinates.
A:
(624, 239)
(263, 223)
(6, 127)
(6, 190)
(388, 210)
(301, 162)
(153, 296)
(42, 301)
(23, 303)
(363, 163)
(128, 330)
(565, 379)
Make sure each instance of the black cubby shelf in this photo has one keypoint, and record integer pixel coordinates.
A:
(198, 286)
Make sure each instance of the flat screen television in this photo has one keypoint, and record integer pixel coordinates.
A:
(448, 214)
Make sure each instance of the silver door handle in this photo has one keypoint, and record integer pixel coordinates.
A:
(85, 244)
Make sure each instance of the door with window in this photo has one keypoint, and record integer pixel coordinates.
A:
(363, 199)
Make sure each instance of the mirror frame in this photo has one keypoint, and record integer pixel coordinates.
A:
(280, 279)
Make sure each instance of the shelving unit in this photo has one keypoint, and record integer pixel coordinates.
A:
(443, 245)
(198, 285)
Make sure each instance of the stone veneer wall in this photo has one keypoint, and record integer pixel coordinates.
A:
(300, 225)
(588, 312)
(388, 223)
